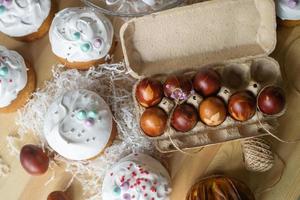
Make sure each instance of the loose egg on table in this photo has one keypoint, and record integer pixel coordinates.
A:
(58, 195)
(34, 160)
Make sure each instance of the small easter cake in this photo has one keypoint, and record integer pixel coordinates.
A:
(137, 177)
(81, 37)
(17, 80)
(79, 125)
(288, 12)
(26, 20)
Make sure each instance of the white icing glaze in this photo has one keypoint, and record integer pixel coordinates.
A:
(13, 75)
(80, 35)
(286, 12)
(136, 6)
(22, 17)
(78, 125)
(137, 177)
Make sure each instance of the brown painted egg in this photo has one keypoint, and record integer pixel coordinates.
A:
(58, 195)
(149, 92)
(34, 160)
(212, 111)
(271, 100)
(177, 87)
(154, 121)
(184, 118)
(242, 106)
(207, 82)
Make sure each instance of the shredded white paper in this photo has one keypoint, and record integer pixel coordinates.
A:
(114, 84)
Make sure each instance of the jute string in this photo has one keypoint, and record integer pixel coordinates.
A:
(182, 150)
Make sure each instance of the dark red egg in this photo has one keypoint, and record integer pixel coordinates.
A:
(58, 195)
(271, 100)
(212, 111)
(149, 92)
(207, 82)
(242, 106)
(34, 160)
(177, 87)
(184, 118)
(154, 121)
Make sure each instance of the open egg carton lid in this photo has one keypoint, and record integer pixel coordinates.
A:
(132, 8)
(199, 34)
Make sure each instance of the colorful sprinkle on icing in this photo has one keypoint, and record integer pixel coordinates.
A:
(3, 71)
(92, 114)
(97, 43)
(76, 36)
(89, 122)
(117, 191)
(81, 115)
(85, 47)
(2, 9)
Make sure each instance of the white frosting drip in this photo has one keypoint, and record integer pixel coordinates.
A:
(80, 35)
(137, 177)
(287, 13)
(13, 75)
(22, 17)
(78, 125)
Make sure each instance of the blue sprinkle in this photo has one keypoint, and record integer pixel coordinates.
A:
(76, 36)
(92, 114)
(117, 191)
(2, 9)
(3, 71)
(85, 47)
(81, 115)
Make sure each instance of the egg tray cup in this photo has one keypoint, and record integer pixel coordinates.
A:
(250, 75)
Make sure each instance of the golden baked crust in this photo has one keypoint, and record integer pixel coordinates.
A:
(288, 23)
(86, 65)
(220, 188)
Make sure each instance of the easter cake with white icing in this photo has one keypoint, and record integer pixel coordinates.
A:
(81, 37)
(26, 20)
(137, 177)
(17, 80)
(79, 125)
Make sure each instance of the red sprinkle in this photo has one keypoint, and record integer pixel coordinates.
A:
(10, 80)
(111, 174)
(145, 194)
(153, 189)
(144, 187)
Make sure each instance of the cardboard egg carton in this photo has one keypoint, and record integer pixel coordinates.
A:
(236, 77)
(233, 36)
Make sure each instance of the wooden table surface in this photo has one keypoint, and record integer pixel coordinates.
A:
(185, 170)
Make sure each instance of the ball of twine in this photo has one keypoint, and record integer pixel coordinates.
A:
(257, 154)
